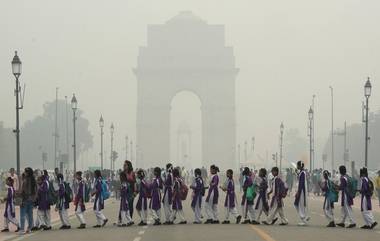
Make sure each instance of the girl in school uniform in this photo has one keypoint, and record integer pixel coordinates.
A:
(9, 213)
(346, 199)
(99, 200)
(366, 205)
(247, 202)
(230, 201)
(80, 200)
(43, 212)
(125, 217)
(198, 191)
(168, 193)
(62, 204)
(155, 201)
(301, 202)
(261, 201)
(211, 204)
(177, 202)
(328, 205)
(142, 202)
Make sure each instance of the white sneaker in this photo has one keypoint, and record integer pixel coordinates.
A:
(302, 224)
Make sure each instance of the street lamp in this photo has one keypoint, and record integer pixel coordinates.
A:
(332, 128)
(311, 117)
(112, 132)
(74, 107)
(367, 94)
(16, 70)
(281, 143)
(101, 125)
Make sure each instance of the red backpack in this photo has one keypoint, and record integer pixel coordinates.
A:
(183, 190)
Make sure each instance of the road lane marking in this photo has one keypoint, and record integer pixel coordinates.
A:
(141, 232)
(263, 235)
(137, 239)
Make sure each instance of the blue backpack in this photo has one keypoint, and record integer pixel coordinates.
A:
(105, 191)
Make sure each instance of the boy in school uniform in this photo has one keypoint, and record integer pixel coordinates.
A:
(125, 217)
(211, 204)
(198, 191)
(366, 205)
(168, 193)
(328, 205)
(63, 203)
(247, 201)
(230, 201)
(43, 212)
(277, 203)
(155, 202)
(177, 202)
(9, 213)
(261, 201)
(142, 205)
(300, 202)
(99, 201)
(80, 200)
(346, 199)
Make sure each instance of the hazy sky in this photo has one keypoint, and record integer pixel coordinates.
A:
(286, 51)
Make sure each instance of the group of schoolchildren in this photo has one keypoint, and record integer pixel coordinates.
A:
(167, 191)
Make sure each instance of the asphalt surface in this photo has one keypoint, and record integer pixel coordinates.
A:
(316, 230)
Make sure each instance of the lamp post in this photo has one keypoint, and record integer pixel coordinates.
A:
(74, 107)
(112, 129)
(126, 148)
(311, 116)
(281, 143)
(332, 129)
(16, 69)
(101, 125)
(367, 94)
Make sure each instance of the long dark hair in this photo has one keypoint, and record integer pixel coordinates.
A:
(30, 179)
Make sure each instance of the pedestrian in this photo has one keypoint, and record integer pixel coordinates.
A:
(248, 197)
(63, 202)
(177, 198)
(43, 212)
(131, 181)
(99, 200)
(301, 202)
(377, 184)
(28, 192)
(79, 201)
(331, 196)
(12, 174)
(211, 204)
(168, 193)
(366, 204)
(9, 213)
(261, 200)
(347, 198)
(230, 201)
(277, 204)
(155, 201)
(142, 205)
(198, 192)
(125, 217)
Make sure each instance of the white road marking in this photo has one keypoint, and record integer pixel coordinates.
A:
(141, 232)
(137, 239)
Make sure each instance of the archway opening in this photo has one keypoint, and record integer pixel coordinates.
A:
(186, 130)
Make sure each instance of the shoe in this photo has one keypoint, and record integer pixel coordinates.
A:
(18, 229)
(97, 226)
(215, 222)
(47, 228)
(365, 227)
(245, 222)
(274, 221)
(342, 225)
(62, 227)
(68, 227)
(34, 229)
(82, 226)
(130, 224)
(183, 222)
(166, 223)
(353, 225)
(301, 224)
(104, 222)
(208, 221)
(266, 223)
(331, 225)
(5, 230)
(195, 222)
(238, 219)
(157, 222)
(254, 222)
(283, 224)
(142, 224)
(373, 225)
(307, 219)
(226, 222)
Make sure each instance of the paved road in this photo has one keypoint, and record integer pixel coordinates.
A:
(211, 232)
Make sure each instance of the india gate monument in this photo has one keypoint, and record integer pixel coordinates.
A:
(186, 54)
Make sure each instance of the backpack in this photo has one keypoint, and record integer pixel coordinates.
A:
(283, 189)
(87, 191)
(52, 194)
(251, 193)
(332, 193)
(105, 191)
(352, 186)
(183, 190)
(371, 187)
(68, 192)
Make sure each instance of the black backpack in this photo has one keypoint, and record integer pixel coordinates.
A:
(68, 192)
